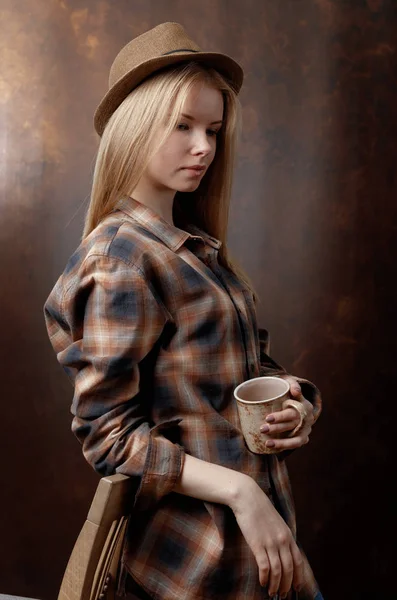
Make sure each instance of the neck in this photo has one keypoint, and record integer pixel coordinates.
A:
(162, 201)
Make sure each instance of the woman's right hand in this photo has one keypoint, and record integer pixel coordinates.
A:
(278, 557)
(279, 560)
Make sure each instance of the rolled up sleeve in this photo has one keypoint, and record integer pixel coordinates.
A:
(103, 323)
(269, 367)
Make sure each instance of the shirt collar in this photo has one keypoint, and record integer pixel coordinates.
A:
(172, 236)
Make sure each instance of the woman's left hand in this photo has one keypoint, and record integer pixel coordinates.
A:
(288, 419)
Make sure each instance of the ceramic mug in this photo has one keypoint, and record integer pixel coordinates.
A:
(256, 399)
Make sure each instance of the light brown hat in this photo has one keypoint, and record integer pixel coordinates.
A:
(164, 45)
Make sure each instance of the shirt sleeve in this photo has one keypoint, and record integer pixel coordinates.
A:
(102, 326)
(267, 365)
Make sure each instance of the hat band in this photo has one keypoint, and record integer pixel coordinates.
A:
(179, 50)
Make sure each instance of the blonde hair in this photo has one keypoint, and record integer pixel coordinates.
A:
(130, 140)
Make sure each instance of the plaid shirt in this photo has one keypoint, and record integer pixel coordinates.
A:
(156, 335)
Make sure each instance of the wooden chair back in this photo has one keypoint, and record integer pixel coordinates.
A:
(92, 570)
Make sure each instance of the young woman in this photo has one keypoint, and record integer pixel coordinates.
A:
(156, 326)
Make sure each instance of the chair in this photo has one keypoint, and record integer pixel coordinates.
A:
(92, 570)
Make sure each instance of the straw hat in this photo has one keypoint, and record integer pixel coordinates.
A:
(164, 45)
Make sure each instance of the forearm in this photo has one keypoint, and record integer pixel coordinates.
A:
(210, 482)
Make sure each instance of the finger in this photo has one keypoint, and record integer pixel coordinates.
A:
(289, 443)
(295, 388)
(308, 406)
(264, 568)
(298, 576)
(280, 416)
(280, 428)
(275, 573)
(296, 391)
(287, 568)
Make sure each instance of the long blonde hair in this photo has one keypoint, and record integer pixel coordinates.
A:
(130, 140)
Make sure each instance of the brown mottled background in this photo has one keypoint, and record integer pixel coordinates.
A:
(313, 220)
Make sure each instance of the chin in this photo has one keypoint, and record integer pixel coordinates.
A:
(188, 187)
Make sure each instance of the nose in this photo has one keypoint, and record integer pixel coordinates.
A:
(201, 144)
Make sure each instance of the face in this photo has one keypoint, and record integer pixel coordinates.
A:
(192, 143)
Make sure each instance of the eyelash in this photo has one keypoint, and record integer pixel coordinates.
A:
(212, 131)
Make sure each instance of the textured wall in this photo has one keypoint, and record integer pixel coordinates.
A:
(313, 220)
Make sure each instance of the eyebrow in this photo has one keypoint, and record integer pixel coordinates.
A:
(192, 118)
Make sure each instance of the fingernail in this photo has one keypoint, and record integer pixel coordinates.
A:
(270, 419)
(265, 428)
(270, 444)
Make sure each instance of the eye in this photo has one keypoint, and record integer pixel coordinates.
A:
(212, 132)
(182, 127)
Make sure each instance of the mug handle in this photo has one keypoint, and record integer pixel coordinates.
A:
(298, 406)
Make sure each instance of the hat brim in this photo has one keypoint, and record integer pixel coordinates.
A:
(227, 67)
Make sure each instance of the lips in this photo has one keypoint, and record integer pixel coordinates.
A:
(197, 168)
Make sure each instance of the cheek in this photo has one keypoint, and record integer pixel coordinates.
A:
(160, 163)
(172, 153)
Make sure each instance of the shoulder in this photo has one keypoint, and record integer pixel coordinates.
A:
(119, 239)
(118, 250)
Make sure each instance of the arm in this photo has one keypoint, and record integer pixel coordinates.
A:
(277, 555)
(268, 366)
(286, 420)
(299, 386)
(103, 321)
